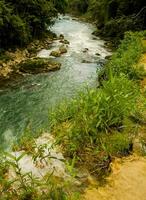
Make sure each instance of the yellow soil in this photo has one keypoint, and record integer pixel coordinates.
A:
(128, 178)
(127, 182)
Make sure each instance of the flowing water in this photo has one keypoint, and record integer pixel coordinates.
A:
(28, 103)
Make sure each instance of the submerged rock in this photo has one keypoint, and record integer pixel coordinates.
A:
(86, 61)
(64, 41)
(97, 54)
(38, 65)
(85, 50)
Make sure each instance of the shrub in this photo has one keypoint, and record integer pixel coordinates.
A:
(98, 110)
(116, 144)
(115, 28)
(125, 58)
(21, 21)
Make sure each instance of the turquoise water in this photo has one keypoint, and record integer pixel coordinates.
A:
(28, 103)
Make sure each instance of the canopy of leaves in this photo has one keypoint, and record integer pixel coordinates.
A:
(113, 17)
(22, 20)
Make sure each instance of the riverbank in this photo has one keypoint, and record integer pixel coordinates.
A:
(16, 64)
(127, 180)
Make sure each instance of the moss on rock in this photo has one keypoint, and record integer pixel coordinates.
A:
(63, 49)
(55, 53)
(38, 65)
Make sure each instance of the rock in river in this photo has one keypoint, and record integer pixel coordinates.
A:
(61, 36)
(38, 65)
(55, 53)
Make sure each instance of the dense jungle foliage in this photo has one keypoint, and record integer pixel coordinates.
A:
(23, 20)
(113, 17)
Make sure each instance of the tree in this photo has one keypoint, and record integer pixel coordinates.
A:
(23, 20)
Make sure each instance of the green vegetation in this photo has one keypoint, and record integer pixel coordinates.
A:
(99, 123)
(124, 60)
(38, 65)
(25, 186)
(21, 21)
(94, 112)
(112, 17)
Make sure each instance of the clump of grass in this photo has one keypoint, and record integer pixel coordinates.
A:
(25, 143)
(124, 60)
(96, 121)
(117, 143)
(98, 110)
(25, 186)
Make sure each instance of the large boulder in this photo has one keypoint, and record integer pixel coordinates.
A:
(38, 65)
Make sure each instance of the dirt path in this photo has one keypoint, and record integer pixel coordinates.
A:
(127, 181)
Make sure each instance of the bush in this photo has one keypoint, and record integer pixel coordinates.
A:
(115, 28)
(98, 110)
(125, 58)
(21, 21)
(113, 17)
(117, 144)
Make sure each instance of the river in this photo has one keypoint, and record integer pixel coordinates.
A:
(28, 104)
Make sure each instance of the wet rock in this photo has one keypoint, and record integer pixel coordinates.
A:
(85, 50)
(86, 61)
(64, 41)
(96, 33)
(55, 53)
(97, 54)
(94, 38)
(102, 62)
(62, 49)
(61, 36)
(108, 57)
(38, 65)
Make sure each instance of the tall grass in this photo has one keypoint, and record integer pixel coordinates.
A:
(17, 185)
(124, 60)
(89, 117)
(97, 110)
